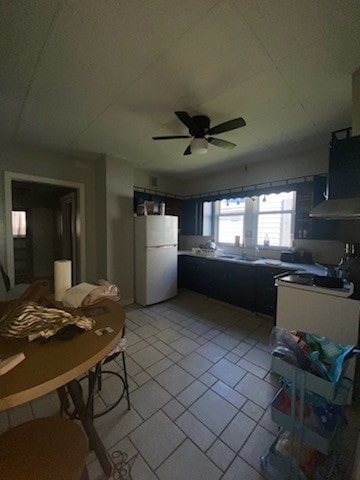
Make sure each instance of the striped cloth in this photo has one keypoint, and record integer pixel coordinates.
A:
(33, 320)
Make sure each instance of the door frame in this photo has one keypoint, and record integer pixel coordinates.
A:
(69, 198)
(9, 177)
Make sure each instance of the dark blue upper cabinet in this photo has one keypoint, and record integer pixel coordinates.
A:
(344, 168)
(192, 215)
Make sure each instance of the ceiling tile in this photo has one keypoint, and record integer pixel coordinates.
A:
(94, 53)
(323, 66)
(331, 109)
(286, 26)
(214, 56)
(111, 75)
(283, 126)
(255, 97)
(23, 30)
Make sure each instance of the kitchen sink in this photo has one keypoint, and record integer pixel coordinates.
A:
(239, 258)
(250, 259)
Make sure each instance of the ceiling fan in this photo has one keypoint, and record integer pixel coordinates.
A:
(199, 129)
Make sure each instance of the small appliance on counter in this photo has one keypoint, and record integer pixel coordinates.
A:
(150, 208)
(296, 256)
(287, 256)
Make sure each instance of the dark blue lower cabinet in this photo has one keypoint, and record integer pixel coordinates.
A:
(192, 273)
(239, 285)
(247, 286)
(266, 290)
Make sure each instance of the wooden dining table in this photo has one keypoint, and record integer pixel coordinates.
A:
(53, 364)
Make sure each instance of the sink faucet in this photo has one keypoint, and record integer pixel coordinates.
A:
(257, 252)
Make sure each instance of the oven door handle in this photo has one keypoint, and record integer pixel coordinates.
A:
(280, 275)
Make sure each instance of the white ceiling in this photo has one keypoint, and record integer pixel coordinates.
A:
(104, 76)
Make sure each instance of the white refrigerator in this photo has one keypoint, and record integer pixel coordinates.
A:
(156, 245)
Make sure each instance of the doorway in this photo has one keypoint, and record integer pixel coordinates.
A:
(52, 213)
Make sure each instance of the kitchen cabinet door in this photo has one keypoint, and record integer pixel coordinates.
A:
(200, 275)
(241, 286)
(344, 168)
(231, 283)
(192, 217)
(193, 273)
(265, 289)
(182, 272)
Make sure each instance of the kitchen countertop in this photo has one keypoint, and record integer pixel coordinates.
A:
(263, 262)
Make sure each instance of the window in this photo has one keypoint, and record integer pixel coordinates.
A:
(264, 220)
(275, 222)
(231, 220)
(207, 218)
(19, 224)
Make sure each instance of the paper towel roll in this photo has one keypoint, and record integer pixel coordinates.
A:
(62, 278)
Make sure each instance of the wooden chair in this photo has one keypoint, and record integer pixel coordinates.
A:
(51, 448)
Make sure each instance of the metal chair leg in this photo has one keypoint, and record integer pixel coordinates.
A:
(99, 380)
(126, 380)
(64, 401)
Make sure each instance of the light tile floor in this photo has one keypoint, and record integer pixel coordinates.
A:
(200, 381)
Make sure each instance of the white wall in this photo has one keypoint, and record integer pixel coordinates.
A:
(101, 216)
(164, 184)
(33, 161)
(309, 162)
(120, 225)
(356, 103)
(109, 184)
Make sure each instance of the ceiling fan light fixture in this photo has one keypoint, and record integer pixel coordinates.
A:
(199, 128)
(199, 146)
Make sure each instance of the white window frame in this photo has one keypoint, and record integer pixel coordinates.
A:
(249, 237)
(257, 212)
(217, 216)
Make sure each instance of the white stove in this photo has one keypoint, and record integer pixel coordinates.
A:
(308, 282)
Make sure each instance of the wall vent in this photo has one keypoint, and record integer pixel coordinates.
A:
(153, 181)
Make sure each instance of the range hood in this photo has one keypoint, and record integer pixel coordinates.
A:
(343, 182)
(340, 209)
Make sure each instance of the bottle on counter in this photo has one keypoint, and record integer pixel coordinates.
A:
(266, 240)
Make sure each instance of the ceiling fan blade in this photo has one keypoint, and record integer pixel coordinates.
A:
(171, 137)
(221, 143)
(227, 126)
(187, 120)
(188, 151)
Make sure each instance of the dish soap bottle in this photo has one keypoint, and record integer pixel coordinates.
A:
(266, 240)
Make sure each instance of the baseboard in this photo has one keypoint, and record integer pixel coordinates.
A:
(127, 301)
